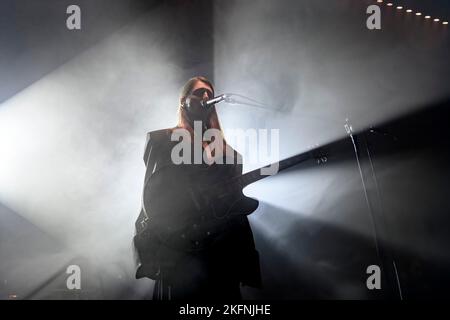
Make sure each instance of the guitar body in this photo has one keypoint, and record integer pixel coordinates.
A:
(188, 215)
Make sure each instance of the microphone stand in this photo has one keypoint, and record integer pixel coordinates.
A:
(229, 98)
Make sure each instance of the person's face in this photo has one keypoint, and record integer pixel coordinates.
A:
(205, 94)
(200, 91)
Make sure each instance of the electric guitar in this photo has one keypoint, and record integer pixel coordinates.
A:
(192, 219)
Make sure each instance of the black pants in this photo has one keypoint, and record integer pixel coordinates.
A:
(198, 278)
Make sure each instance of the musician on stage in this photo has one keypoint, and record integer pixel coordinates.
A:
(193, 251)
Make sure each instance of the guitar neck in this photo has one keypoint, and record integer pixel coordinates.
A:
(256, 175)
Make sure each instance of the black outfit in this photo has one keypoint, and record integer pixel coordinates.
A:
(210, 270)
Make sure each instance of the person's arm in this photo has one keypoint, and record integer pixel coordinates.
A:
(153, 140)
(149, 158)
(146, 248)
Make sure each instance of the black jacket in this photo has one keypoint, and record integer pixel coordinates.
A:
(171, 186)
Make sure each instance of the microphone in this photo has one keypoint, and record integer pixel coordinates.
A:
(208, 103)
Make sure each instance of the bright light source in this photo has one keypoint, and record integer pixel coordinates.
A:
(418, 13)
(399, 8)
(445, 22)
(390, 4)
(427, 17)
(409, 10)
(380, 1)
(436, 20)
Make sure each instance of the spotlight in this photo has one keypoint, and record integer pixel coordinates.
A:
(399, 8)
(436, 20)
(380, 1)
(427, 17)
(409, 10)
(418, 13)
(445, 22)
(389, 4)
